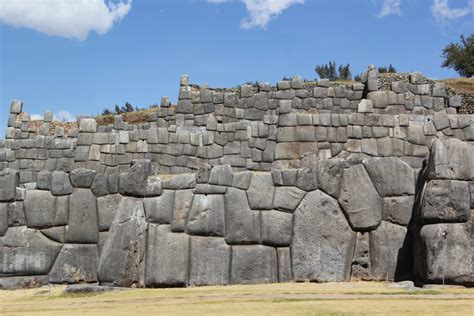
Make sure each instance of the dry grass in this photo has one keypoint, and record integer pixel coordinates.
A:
(137, 117)
(462, 85)
(275, 299)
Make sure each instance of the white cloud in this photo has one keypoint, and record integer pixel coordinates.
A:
(262, 11)
(36, 117)
(442, 12)
(66, 18)
(62, 116)
(390, 7)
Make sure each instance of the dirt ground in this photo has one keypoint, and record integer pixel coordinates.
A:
(359, 298)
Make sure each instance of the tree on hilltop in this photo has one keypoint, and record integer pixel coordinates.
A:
(460, 56)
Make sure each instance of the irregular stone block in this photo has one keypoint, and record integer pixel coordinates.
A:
(242, 224)
(82, 178)
(9, 180)
(60, 184)
(57, 233)
(26, 252)
(122, 256)
(107, 208)
(179, 182)
(398, 209)
(221, 175)
(360, 269)
(167, 257)
(182, 205)
(261, 190)
(323, 241)
(287, 198)
(451, 159)
(206, 217)
(276, 228)
(446, 254)
(100, 185)
(210, 261)
(134, 183)
(43, 180)
(160, 209)
(241, 180)
(360, 199)
(83, 222)
(391, 176)
(40, 209)
(253, 265)
(446, 201)
(75, 264)
(88, 126)
(307, 179)
(3, 218)
(330, 176)
(390, 253)
(284, 265)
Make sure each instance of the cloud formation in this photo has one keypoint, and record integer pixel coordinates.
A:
(65, 18)
(390, 7)
(442, 12)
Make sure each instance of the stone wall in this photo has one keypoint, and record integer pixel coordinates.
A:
(298, 182)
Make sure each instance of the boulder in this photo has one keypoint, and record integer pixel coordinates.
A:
(210, 261)
(261, 190)
(276, 228)
(82, 178)
(253, 265)
(26, 251)
(75, 264)
(160, 209)
(206, 217)
(122, 256)
(390, 253)
(391, 176)
(60, 184)
(40, 210)
(83, 221)
(167, 257)
(323, 241)
(451, 159)
(242, 224)
(446, 201)
(360, 199)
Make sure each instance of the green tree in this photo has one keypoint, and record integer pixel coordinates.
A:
(332, 72)
(106, 112)
(460, 56)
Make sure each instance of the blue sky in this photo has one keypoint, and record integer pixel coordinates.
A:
(74, 58)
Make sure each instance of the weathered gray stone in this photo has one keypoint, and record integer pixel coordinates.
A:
(287, 198)
(23, 282)
(330, 173)
(360, 199)
(276, 228)
(107, 208)
(391, 176)
(221, 175)
(83, 222)
(242, 224)
(167, 257)
(121, 260)
(241, 180)
(75, 263)
(451, 159)
(160, 209)
(88, 126)
(60, 184)
(182, 206)
(82, 178)
(40, 209)
(390, 253)
(3, 218)
(260, 192)
(134, 183)
(446, 254)
(446, 201)
(398, 209)
(284, 265)
(43, 180)
(379, 99)
(323, 241)
(57, 233)
(179, 182)
(253, 265)
(210, 261)
(360, 269)
(100, 185)
(26, 252)
(307, 179)
(9, 180)
(206, 217)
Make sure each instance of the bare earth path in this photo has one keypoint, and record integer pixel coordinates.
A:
(361, 298)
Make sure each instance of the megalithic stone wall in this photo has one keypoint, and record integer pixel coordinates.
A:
(298, 182)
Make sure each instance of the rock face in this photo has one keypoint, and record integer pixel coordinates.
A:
(210, 261)
(9, 180)
(323, 241)
(360, 200)
(122, 258)
(83, 221)
(75, 263)
(242, 224)
(253, 264)
(391, 176)
(451, 159)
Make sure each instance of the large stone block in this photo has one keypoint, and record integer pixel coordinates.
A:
(83, 217)
(391, 176)
(75, 264)
(167, 260)
(122, 256)
(398, 209)
(60, 184)
(182, 206)
(360, 200)
(253, 265)
(451, 159)
(323, 241)
(206, 217)
(287, 198)
(82, 178)
(276, 228)
(330, 173)
(307, 179)
(261, 190)
(446, 201)
(390, 253)
(107, 208)
(210, 261)
(134, 183)
(242, 224)
(160, 209)
(446, 254)
(40, 210)
(3, 218)
(221, 175)
(26, 252)
(284, 264)
(9, 180)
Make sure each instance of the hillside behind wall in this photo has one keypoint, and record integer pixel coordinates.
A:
(261, 184)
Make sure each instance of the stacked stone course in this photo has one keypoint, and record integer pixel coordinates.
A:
(298, 182)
